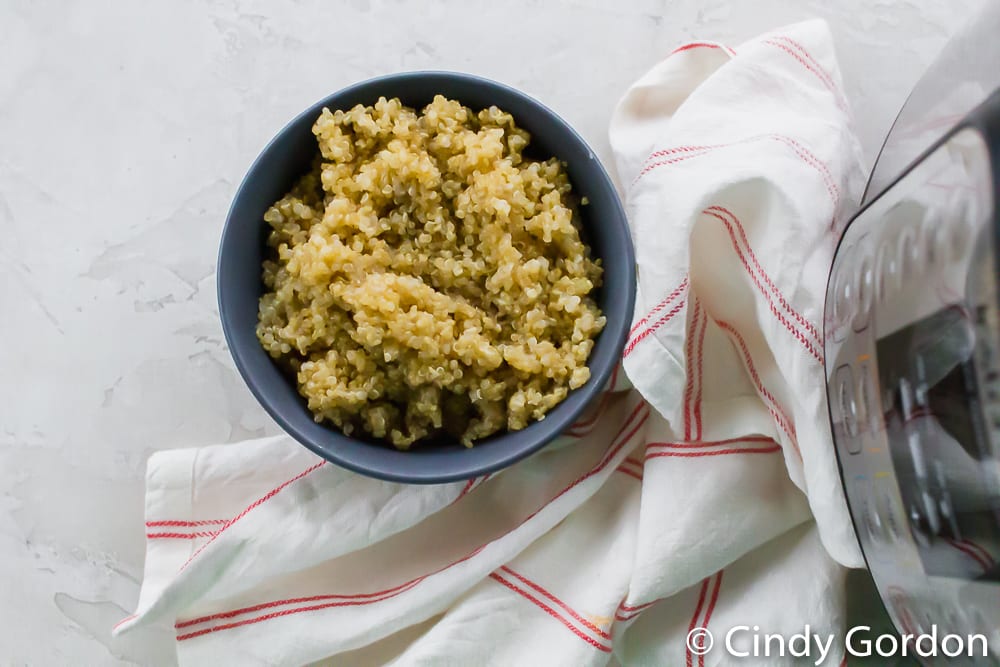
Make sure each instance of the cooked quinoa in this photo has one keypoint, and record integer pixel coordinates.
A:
(427, 277)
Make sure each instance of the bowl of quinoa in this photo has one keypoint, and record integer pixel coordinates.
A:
(426, 277)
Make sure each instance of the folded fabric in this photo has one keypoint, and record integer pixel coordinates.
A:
(740, 168)
(700, 491)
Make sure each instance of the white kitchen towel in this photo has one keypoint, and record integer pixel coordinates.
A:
(700, 491)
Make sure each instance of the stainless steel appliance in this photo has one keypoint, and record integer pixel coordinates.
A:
(912, 328)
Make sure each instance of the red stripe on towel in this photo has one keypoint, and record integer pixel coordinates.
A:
(204, 522)
(257, 503)
(806, 343)
(178, 536)
(808, 56)
(710, 443)
(691, 151)
(776, 411)
(711, 608)
(630, 473)
(660, 306)
(551, 612)
(717, 452)
(820, 74)
(639, 415)
(689, 657)
(689, 346)
(700, 361)
(703, 45)
(656, 325)
(741, 230)
(557, 601)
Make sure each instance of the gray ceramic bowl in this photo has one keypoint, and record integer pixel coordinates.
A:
(242, 250)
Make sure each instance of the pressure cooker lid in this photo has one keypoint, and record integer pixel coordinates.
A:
(963, 75)
(912, 357)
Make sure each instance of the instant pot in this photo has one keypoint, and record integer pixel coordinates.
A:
(912, 342)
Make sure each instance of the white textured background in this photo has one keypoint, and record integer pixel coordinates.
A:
(124, 130)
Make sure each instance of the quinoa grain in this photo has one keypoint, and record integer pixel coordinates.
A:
(427, 277)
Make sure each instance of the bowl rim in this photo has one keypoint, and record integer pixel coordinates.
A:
(548, 428)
